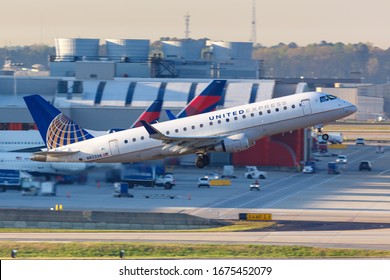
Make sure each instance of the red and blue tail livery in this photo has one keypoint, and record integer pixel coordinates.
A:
(151, 114)
(206, 102)
(55, 128)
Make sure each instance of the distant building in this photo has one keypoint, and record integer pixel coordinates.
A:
(201, 59)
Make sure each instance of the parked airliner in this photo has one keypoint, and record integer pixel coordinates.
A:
(22, 161)
(228, 130)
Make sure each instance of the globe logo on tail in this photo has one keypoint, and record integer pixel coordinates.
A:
(63, 131)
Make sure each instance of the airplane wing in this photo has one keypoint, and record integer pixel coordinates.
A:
(181, 144)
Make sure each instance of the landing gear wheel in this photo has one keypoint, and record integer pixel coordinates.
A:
(325, 137)
(202, 161)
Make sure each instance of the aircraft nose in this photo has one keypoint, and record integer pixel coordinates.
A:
(352, 108)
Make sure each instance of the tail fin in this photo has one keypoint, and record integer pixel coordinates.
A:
(151, 114)
(205, 102)
(56, 129)
(170, 115)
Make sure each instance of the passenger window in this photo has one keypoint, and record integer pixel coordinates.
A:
(268, 111)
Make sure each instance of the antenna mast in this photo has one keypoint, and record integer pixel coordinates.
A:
(187, 20)
(254, 36)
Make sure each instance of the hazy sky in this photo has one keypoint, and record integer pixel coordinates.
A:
(25, 22)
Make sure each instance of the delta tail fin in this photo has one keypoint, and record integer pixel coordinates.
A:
(206, 101)
(56, 129)
(151, 114)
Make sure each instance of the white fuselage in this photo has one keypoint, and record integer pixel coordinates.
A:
(254, 120)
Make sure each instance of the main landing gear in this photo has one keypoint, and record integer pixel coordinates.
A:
(202, 160)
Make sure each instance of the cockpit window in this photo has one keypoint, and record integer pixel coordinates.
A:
(327, 97)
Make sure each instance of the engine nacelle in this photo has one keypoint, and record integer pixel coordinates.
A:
(233, 143)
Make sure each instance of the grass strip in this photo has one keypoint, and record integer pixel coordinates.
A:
(110, 250)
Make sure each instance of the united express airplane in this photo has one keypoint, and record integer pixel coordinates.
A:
(228, 130)
(31, 141)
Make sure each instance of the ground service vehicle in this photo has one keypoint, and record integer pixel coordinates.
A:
(360, 141)
(146, 175)
(333, 168)
(255, 186)
(11, 179)
(341, 159)
(253, 173)
(204, 182)
(365, 165)
(228, 171)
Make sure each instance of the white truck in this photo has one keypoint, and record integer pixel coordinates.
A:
(167, 181)
(228, 172)
(253, 173)
(142, 174)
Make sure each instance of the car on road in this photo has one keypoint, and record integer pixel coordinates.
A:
(360, 141)
(255, 186)
(341, 159)
(204, 182)
(308, 169)
(379, 149)
(213, 175)
(365, 165)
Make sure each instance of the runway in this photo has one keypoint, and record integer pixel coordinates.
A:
(358, 239)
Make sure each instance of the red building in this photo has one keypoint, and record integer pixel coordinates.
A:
(281, 150)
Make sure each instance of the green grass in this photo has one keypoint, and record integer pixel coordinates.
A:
(230, 226)
(110, 250)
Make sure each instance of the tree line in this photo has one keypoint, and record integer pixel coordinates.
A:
(326, 60)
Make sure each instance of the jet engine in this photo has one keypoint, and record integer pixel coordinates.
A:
(233, 143)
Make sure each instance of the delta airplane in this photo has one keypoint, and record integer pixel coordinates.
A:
(31, 141)
(228, 130)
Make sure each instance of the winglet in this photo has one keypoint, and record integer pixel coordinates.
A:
(153, 132)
